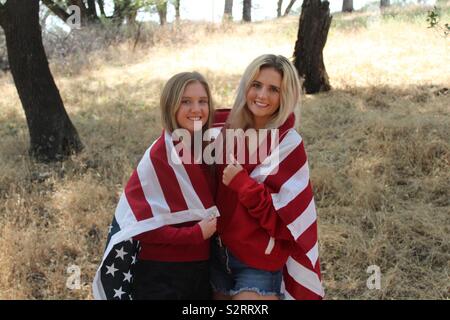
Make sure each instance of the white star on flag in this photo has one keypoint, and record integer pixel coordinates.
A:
(121, 253)
(111, 269)
(134, 259)
(110, 228)
(118, 293)
(127, 276)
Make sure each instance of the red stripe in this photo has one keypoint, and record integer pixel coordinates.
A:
(308, 238)
(296, 290)
(287, 168)
(296, 206)
(200, 184)
(136, 198)
(166, 177)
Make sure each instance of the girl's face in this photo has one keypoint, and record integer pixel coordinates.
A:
(194, 107)
(263, 97)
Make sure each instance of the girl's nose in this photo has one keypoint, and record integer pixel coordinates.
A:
(262, 93)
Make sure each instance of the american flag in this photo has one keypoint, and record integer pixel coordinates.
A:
(294, 203)
(160, 192)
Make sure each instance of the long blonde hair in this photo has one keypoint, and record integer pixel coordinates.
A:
(290, 91)
(172, 94)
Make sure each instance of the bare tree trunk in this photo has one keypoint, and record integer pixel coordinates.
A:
(279, 5)
(228, 10)
(101, 5)
(347, 6)
(161, 7)
(247, 11)
(385, 3)
(177, 10)
(288, 8)
(315, 21)
(52, 134)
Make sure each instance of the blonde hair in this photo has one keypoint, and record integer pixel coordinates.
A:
(290, 91)
(171, 98)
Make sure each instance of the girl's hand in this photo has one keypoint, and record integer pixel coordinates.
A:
(208, 227)
(231, 171)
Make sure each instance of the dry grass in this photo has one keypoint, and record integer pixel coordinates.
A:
(378, 148)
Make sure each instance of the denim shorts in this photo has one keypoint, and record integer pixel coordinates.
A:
(230, 276)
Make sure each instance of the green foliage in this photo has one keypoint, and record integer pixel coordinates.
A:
(433, 19)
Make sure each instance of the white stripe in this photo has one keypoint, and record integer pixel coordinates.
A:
(271, 163)
(270, 246)
(313, 254)
(124, 215)
(152, 190)
(307, 278)
(192, 199)
(292, 187)
(303, 221)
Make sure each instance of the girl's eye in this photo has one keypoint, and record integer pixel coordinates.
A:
(185, 101)
(204, 101)
(256, 85)
(274, 89)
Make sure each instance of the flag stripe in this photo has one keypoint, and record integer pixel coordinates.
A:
(271, 164)
(292, 163)
(292, 187)
(295, 290)
(304, 276)
(149, 181)
(124, 215)
(182, 177)
(299, 204)
(304, 221)
(136, 198)
(167, 178)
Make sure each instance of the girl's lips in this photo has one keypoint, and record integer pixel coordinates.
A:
(261, 105)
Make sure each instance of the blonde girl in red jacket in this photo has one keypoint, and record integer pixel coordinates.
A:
(253, 241)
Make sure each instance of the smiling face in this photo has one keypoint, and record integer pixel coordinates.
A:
(263, 96)
(194, 106)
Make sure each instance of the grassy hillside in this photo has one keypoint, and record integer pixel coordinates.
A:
(378, 145)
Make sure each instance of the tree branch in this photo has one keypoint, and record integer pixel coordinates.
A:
(57, 10)
(288, 8)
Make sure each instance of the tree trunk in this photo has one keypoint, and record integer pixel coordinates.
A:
(279, 5)
(347, 6)
(314, 24)
(177, 10)
(162, 12)
(247, 11)
(52, 135)
(228, 10)
(288, 8)
(101, 5)
(385, 3)
(91, 11)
